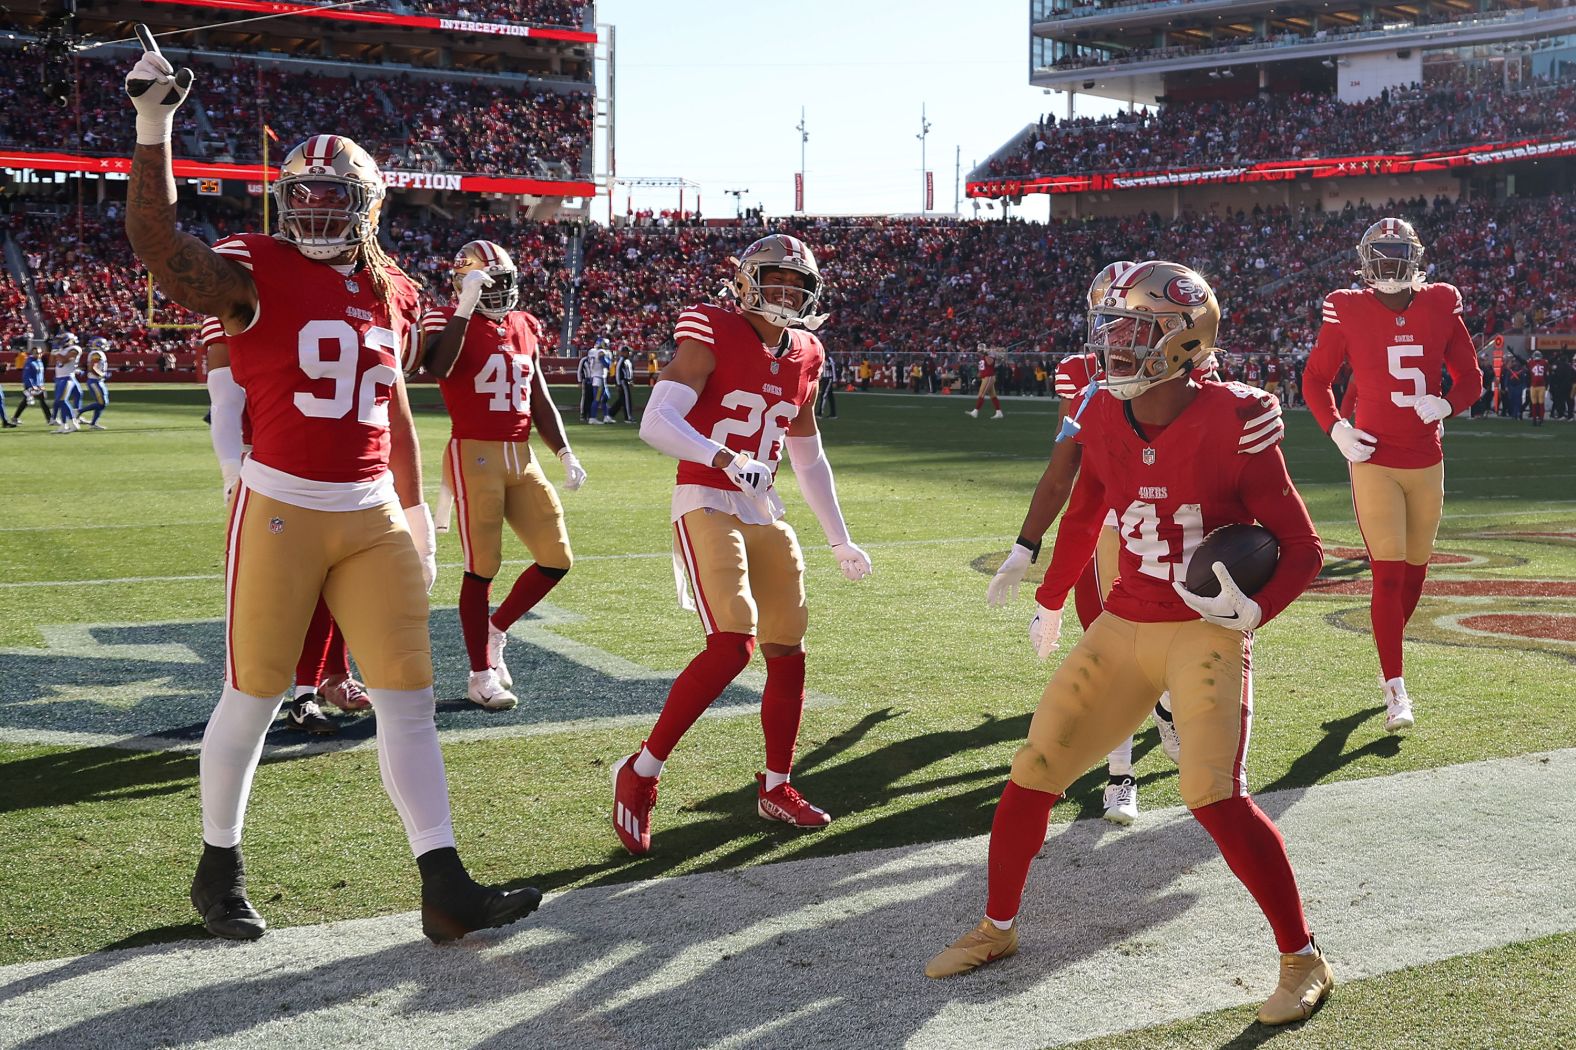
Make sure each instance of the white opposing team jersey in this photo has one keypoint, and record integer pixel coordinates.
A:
(69, 369)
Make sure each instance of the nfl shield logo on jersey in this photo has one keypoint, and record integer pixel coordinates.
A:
(276, 525)
(352, 287)
(1149, 457)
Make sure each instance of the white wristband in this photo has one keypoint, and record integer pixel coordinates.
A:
(155, 130)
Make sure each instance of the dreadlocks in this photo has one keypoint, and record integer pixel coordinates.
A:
(378, 265)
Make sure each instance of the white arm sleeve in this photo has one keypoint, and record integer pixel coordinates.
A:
(227, 400)
(664, 428)
(815, 481)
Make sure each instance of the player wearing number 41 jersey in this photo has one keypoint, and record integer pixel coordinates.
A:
(1398, 334)
(728, 403)
(487, 369)
(318, 321)
(1175, 457)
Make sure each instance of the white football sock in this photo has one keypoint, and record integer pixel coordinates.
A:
(775, 780)
(1000, 924)
(1308, 950)
(647, 764)
(1120, 761)
(303, 690)
(412, 766)
(1165, 701)
(231, 747)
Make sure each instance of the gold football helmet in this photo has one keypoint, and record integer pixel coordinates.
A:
(752, 279)
(1391, 255)
(328, 196)
(1105, 278)
(1154, 322)
(499, 297)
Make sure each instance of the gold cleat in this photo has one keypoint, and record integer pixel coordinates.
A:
(1305, 980)
(983, 944)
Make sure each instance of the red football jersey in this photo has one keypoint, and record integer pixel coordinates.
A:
(1538, 369)
(1218, 463)
(1395, 358)
(1272, 370)
(752, 395)
(1075, 373)
(488, 391)
(318, 362)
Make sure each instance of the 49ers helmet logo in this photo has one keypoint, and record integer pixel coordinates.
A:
(1185, 291)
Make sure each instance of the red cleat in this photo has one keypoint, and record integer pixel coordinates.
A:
(784, 803)
(634, 797)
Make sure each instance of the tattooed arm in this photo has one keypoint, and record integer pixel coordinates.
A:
(187, 270)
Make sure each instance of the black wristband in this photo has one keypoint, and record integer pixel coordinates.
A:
(1034, 548)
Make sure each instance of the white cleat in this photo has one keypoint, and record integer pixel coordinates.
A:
(1170, 742)
(496, 641)
(486, 691)
(973, 413)
(1121, 800)
(1397, 706)
(98, 426)
(999, 414)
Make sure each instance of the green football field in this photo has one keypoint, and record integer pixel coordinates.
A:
(111, 656)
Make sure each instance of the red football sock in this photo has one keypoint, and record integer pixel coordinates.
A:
(978, 402)
(1256, 854)
(1412, 588)
(335, 661)
(1388, 614)
(725, 655)
(526, 592)
(782, 709)
(1016, 834)
(475, 594)
(995, 402)
(314, 648)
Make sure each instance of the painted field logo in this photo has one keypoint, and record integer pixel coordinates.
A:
(153, 686)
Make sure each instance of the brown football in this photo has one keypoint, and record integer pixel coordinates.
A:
(1249, 553)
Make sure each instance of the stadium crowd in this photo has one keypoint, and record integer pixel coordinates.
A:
(532, 12)
(1287, 127)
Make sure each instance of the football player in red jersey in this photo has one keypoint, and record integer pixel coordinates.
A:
(1538, 377)
(1397, 334)
(316, 317)
(493, 389)
(987, 369)
(733, 396)
(1077, 377)
(1180, 457)
(323, 670)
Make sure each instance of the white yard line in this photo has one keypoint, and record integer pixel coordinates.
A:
(1121, 930)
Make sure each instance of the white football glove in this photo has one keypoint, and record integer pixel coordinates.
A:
(1431, 408)
(1356, 445)
(1045, 630)
(852, 559)
(574, 473)
(1230, 608)
(471, 286)
(419, 518)
(1004, 585)
(156, 90)
(230, 469)
(753, 477)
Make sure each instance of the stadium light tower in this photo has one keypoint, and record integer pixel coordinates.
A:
(738, 202)
(804, 136)
(924, 133)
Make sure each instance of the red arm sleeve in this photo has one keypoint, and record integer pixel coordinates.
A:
(1268, 493)
(1076, 537)
(1349, 401)
(1325, 360)
(1466, 378)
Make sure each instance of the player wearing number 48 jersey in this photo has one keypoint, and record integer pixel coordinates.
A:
(487, 369)
(1176, 458)
(318, 321)
(1398, 334)
(734, 395)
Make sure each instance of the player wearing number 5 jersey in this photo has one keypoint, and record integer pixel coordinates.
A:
(318, 321)
(1176, 458)
(487, 369)
(734, 395)
(1397, 334)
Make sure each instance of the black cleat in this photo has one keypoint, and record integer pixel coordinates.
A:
(454, 904)
(219, 895)
(306, 714)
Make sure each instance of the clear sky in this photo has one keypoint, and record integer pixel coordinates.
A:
(710, 91)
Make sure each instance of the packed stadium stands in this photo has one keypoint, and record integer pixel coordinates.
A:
(534, 12)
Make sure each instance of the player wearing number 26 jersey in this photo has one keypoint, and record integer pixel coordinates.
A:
(319, 322)
(1174, 457)
(487, 369)
(1398, 334)
(727, 405)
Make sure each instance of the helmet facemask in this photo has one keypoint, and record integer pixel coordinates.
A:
(759, 291)
(325, 215)
(1391, 257)
(1155, 322)
(499, 297)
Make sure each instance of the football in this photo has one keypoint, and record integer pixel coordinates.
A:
(1249, 553)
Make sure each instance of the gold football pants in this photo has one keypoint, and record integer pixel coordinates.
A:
(1398, 510)
(747, 579)
(498, 481)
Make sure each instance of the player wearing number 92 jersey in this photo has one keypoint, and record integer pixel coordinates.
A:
(727, 405)
(1397, 333)
(488, 371)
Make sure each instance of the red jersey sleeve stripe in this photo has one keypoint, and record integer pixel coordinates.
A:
(1270, 438)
